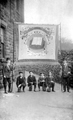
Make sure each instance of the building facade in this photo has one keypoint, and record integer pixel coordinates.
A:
(11, 11)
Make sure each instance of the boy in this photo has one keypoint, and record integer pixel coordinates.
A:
(31, 80)
(50, 82)
(42, 82)
(21, 82)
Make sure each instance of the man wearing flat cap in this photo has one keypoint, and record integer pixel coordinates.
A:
(7, 73)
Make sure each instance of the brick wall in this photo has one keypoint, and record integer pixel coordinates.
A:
(9, 13)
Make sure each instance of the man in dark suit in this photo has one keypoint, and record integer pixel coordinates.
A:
(65, 76)
(31, 80)
(21, 82)
(7, 73)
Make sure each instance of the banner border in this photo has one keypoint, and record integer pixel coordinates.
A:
(56, 45)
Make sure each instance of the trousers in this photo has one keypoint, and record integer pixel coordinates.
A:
(7, 81)
(21, 86)
(43, 84)
(30, 86)
(66, 84)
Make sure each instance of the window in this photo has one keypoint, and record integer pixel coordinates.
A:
(3, 2)
(17, 5)
(2, 41)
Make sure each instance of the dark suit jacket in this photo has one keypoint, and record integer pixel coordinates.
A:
(20, 81)
(65, 70)
(49, 80)
(7, 70)
(41, 79)
(31, 79)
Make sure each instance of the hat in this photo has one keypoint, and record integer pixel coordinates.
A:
(20, 72)
(7, 58)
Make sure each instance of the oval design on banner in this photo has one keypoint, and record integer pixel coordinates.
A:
(36, 42)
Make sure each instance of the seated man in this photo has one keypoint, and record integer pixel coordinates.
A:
(50, 82)
(42, 82)
(31, 80)
(21, 82)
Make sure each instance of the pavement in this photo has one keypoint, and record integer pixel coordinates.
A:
(36, 105)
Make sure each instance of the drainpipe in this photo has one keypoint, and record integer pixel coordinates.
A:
(13, 41)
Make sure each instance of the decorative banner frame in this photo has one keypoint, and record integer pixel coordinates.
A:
(37, 42)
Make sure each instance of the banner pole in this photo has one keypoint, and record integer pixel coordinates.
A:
(60, 58)
(24, 11)
(13, 59)
(60, 38)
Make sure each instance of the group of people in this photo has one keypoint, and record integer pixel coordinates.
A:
(46, 82)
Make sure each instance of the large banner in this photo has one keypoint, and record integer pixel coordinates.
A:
(37, 41)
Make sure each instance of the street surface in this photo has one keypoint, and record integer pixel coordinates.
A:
(36, 105)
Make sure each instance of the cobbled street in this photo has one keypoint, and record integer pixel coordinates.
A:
(36, 105)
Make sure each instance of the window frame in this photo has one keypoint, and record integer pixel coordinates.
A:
(17, 5)
(4, 26)
(2, 41)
